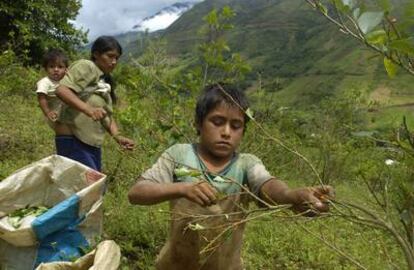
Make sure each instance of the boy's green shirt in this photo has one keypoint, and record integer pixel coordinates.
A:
(186, 244)
(85, 79)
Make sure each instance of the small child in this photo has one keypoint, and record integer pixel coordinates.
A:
(207, 179)
(55, 64)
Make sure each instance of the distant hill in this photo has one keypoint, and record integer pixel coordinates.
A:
(283, 37)
(295, 50)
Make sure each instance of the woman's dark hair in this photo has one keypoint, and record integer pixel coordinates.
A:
(53, 56)
(215, 94)
(101, 45)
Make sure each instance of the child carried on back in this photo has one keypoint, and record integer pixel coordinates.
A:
(55, 64)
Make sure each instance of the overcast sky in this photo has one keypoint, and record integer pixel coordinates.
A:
(108, 17)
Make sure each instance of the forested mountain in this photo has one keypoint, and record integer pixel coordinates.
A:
(294, 50)
(280, 37)
(272, 34)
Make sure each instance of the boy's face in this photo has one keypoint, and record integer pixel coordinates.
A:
(221, 131)
(56, 70)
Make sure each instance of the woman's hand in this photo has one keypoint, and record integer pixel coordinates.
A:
(124, 142)
(96, 113)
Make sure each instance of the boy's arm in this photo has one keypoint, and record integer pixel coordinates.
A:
(70, 98)
(147, 192)
(313, 199)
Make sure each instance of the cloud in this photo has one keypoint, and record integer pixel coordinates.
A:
(161, 22)
(108, 17)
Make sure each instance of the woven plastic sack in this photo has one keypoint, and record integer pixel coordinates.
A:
(106, 256)
(73, 194)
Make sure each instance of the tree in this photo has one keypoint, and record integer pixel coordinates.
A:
(390, 36)
(29, 27)
(218, 62)
(378, 25)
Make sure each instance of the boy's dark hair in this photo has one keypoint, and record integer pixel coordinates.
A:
(54, 55)
(213, 95)
(101, 45)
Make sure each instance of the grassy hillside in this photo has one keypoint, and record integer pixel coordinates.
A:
(271, 242)
(323, 135)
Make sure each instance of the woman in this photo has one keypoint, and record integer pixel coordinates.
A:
(88, 91)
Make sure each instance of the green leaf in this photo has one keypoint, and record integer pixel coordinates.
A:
(196, 227)
(349, 3)
(195, 173)
(323, 9)
(376, 37)
(385, 5)
(184, 171)
(220, 179)
(212, 17)
(249, 113)
(404, 46)
(227, 12)
(390, 67)
(356, 13)
(340, 6)
(369, 20)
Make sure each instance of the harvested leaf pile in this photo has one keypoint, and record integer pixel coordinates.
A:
(16, 218)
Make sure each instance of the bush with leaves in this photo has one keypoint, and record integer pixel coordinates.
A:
(30, 27)
(218, 62)
(16, 79)
(385, 29)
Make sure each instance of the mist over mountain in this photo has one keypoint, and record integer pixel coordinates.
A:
(164, 17)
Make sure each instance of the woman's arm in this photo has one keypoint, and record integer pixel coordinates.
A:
(114, 132)
(70, 98)
(146, 192)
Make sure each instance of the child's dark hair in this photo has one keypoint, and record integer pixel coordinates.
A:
(213, 95)
(53, 56)
(101, 45)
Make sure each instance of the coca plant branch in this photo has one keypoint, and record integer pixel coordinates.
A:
(377, 29)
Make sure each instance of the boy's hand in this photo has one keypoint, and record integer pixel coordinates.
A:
(124, 142)
(312, 200)
(52, 116)
(201, 193)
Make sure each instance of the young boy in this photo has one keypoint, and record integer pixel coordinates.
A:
(55, 64)
(197, 242)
